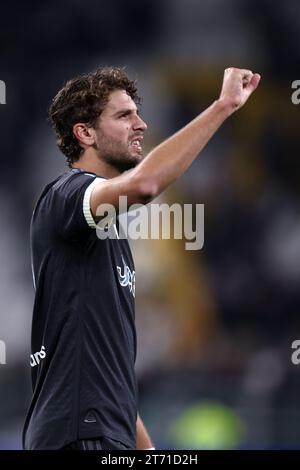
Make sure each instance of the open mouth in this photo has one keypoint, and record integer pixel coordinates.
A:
(136, 144)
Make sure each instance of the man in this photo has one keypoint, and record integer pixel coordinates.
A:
(83, 333)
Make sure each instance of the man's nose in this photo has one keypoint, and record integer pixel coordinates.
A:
(140, 124)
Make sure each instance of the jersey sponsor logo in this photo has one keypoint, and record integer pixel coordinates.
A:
(36, 358)
(127, 277)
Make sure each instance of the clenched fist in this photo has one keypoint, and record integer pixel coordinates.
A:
(238, 85)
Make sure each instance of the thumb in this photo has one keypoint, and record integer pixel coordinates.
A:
(253, 84)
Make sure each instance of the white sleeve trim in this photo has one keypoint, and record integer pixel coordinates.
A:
(86, 203)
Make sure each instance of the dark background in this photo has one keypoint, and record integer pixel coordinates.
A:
(215, 326)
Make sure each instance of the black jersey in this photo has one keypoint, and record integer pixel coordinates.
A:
(83, 330)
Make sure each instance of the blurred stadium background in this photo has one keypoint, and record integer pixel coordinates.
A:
(215, 326)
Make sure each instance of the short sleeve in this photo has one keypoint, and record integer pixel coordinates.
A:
(73, 217)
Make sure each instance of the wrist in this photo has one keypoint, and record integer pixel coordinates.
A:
(226, 106)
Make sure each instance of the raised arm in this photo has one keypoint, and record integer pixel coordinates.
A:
(169, 160)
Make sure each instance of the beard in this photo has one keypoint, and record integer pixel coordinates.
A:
(118, 155)
(121, 161)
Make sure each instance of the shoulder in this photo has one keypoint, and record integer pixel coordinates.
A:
(65, 186)
(72, 180)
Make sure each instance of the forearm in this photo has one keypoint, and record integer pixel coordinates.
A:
(169, 160)
(143, 440)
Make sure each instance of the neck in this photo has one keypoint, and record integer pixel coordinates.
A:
(90, 162)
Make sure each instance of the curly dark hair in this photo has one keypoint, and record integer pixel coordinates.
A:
(83, 99)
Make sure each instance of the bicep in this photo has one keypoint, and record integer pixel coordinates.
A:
(108, 193)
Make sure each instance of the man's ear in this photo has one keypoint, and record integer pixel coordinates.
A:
(85, 134)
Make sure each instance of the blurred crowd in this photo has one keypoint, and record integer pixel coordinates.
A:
(215, 326)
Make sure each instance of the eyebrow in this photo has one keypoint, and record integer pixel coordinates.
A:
(126, 111)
